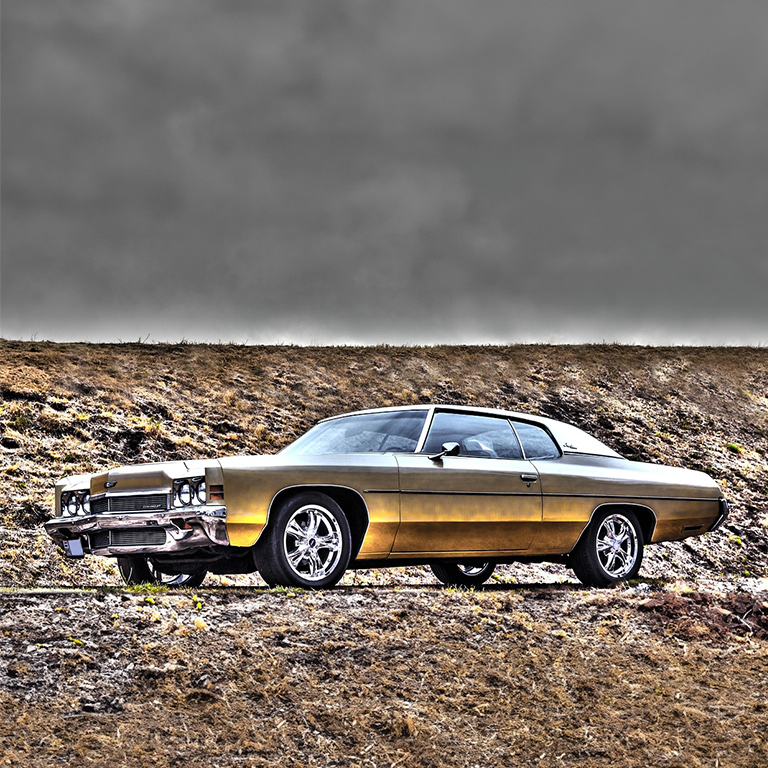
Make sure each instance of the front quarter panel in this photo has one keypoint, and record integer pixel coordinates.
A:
(252, 482)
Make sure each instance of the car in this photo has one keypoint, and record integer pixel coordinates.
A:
(457, 488)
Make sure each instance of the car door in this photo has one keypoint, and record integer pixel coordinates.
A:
(486, 500)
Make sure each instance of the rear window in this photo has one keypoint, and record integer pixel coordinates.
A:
(536, 441)
(574, 440)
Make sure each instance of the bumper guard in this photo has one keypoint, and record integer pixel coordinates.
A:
(725, 510)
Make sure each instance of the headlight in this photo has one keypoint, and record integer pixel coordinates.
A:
(190, 490)
(76, 502)
(185, 493)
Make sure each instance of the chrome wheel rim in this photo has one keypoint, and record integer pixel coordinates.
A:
(472, 570)
(312, 542)
(617, 546)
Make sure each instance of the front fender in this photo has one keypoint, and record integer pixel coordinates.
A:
(251, 483)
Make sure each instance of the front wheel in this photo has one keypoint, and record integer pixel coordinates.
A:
(610, 550)
(463, 574)
(308, 545)
(142, 570)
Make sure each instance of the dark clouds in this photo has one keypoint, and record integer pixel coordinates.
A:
(405, 172)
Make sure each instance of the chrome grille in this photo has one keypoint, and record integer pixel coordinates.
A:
(136, 537)
(143, 503)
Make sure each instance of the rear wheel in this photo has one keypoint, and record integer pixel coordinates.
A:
(611, 549)
(308, 544)
(463, 574)
(142, 570)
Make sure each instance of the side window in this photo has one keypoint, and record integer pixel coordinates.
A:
(482, 436)
(536, 441)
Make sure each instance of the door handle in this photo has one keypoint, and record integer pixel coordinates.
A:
(528, 479)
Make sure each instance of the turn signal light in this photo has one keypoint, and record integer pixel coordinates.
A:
(216, 493)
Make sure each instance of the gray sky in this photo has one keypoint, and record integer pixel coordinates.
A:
(404, 172)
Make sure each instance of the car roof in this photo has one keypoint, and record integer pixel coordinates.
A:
(570, 438)
(444, 407)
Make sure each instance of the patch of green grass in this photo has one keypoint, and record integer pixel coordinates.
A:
(140, 589)
(452, 589)
(735, 448)
(288, 591)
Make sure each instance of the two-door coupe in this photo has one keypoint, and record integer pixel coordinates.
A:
(458, 488)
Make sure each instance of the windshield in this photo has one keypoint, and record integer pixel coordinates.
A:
(388, 432)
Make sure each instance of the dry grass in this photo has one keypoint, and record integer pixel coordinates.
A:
(379, 677)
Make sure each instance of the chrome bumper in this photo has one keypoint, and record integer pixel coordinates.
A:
(141, 533)
(725, 511)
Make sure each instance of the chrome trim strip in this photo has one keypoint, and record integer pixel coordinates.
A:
(607, 496)
(519, 441)
(470, 493)
(127, 494)
(546, 495)
(425, 429)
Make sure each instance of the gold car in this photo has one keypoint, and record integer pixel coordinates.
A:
(460, 489)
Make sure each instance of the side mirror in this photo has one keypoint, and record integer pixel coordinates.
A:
(449, 449)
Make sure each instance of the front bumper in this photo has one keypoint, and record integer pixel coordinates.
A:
(141, 533)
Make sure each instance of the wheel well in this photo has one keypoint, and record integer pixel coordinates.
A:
(350, 501)
(645, 516)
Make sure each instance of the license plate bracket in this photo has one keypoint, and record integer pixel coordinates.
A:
(73, 547)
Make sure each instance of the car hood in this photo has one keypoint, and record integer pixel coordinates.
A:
(147, 477)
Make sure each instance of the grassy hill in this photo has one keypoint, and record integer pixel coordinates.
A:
(70, 408)
(386, 669)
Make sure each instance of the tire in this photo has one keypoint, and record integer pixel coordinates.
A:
(463, 574)
(308, 543)
(611, 549)
(141, 570)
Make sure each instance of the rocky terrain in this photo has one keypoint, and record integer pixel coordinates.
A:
(388, 669)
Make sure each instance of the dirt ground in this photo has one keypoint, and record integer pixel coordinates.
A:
(532, 675)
